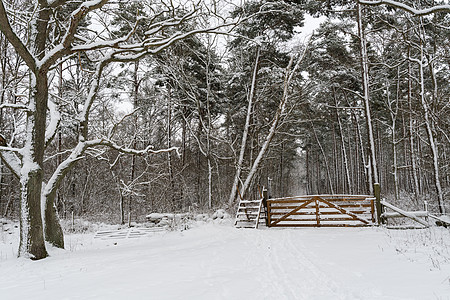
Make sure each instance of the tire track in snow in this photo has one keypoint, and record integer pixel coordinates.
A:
(320, 279)
(292, 273)
(310, 260)
(310, 282)
(275, 270)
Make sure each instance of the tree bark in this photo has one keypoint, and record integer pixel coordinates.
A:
(31, 230)
(52, 228)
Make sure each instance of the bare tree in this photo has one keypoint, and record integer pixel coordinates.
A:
(45, 49)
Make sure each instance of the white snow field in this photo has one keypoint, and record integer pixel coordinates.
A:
(217, 261)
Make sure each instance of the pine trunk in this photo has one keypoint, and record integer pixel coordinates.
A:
(366, 97)
(431, 138)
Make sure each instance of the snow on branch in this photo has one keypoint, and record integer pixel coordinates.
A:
(157, 27)
(11, 160)
(104, 44)
(55, 119)
(9, 156)
(414, 11)
(14, 106)
(126, 150)
(75, 19)
(95, 85)
(15, 41)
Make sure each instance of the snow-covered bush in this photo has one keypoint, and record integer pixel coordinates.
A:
(434, 242)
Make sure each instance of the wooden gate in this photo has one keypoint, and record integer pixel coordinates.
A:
(321, 211)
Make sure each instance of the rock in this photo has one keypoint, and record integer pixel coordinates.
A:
(201, 217)
(164, 221)
(221, 214)
(155, 217)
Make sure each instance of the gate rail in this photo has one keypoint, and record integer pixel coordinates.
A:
(321, 211)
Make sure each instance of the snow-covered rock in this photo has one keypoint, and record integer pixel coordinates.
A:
(221, 214)
(165, 219)
(202, 217)
(157, 217)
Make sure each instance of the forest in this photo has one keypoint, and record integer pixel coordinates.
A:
(110, 110)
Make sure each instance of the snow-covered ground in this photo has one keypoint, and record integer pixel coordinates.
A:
(217, 261)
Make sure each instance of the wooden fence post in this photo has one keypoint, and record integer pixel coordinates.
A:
(377, 194)
(269, 187)
(265, 197)
(425, 208)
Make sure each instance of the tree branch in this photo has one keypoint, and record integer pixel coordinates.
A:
(416, 12)
(55, 119)
(75, 19)
(14, 106)
(12, 37)
(112, 145)
(9, 156)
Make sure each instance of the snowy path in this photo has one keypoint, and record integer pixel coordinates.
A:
(220, 262)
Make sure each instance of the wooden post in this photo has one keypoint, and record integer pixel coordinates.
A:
(265, 197)
(372, 209)
(317, 212)
(73, 223)
(377, 194)
(425, 208)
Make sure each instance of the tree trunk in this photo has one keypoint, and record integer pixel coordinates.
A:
(430, 134)
(330, 183)
(335, 158)
(281, 171)
(52, 228)
(394, 153)
(366, 166)
(59, 197)
(278, 115)
(344, 151)
(308, 168)
(169, 154)
(365, 82)
(31, 230)
(240, 161)
(411, 134)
